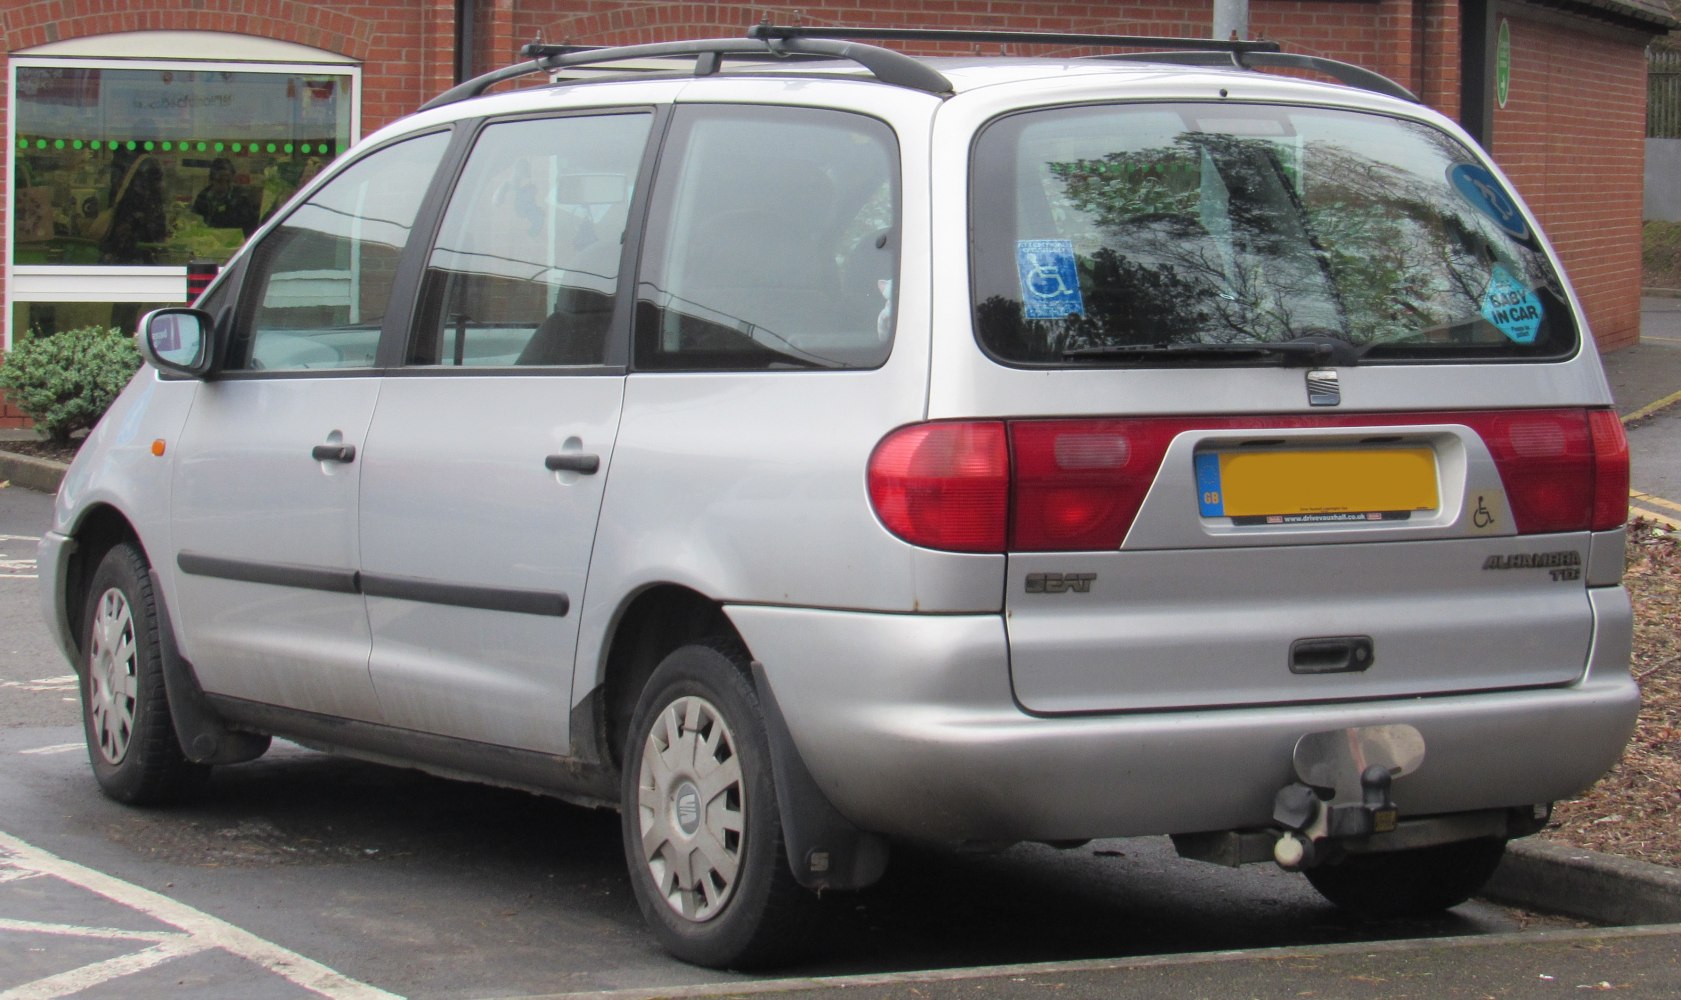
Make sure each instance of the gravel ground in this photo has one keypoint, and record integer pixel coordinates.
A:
(1635, 811)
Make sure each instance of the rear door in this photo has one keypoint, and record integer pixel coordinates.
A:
(268, 467)
(491, 446)
(1300, 413)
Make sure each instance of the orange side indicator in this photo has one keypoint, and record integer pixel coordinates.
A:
(158, 447)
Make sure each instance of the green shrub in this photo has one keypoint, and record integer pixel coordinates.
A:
(65, 382)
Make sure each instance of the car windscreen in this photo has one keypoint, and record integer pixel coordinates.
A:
(1190, 233)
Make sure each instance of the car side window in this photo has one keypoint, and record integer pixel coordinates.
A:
(320, 282)
(773, 242)
(527, 257)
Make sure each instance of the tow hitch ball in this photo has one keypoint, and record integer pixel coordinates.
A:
(1344, 789)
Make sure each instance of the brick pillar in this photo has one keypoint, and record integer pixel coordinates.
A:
(1399, 42)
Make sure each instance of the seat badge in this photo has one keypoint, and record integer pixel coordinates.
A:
(1322, 388)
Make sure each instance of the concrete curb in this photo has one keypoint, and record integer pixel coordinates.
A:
(1600, 888)
(33, 473)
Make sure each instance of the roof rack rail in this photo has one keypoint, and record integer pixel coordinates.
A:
(978, 35)
(886, 65)
(1348, 73)
(771, 41)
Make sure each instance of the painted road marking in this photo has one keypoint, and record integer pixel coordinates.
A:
(19, 567)
(1651, 515)
(196, 932)
(44, 685)
(1647, 498)
(1651, 408)
(55, 748)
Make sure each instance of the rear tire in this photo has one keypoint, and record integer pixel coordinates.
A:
(1411, 883)
(702, 830)
(125, 709)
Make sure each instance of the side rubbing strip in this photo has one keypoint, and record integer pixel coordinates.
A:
(525, 602)
(338, 581)
(343, 581)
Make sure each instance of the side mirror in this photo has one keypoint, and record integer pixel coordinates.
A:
(177, 340)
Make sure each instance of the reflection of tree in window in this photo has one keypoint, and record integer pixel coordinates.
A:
(1203, 241)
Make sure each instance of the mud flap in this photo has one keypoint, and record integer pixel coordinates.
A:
(200, 731)
(825, 850)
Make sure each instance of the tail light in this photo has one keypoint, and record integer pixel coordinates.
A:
(1077, 485)
(943, 486)
(1564, 470)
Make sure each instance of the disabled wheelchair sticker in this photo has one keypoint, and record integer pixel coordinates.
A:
(1486, 195)
(1512, 308)
(1050, 282)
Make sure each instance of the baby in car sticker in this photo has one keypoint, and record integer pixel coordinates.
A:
(1511, 307)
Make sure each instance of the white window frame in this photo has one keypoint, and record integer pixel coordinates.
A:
(131, 50)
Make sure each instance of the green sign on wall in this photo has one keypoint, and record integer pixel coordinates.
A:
(1503, 63)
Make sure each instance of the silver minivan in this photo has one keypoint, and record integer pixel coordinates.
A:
(803, 447)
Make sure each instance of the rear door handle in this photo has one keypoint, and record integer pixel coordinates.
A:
(334, 453)
(573, 461)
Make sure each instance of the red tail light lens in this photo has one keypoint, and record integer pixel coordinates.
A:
(1610, 470)
(943, 486)
(1077, 485)
(1564, 470)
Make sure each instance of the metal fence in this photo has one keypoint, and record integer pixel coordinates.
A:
(1663, 93)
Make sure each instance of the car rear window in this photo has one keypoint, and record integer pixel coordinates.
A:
(1168, 234)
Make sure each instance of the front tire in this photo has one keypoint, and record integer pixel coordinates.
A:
(125, 710)
(702, 832)
(1412, 883)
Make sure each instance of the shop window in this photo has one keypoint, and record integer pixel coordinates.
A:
(159, 166)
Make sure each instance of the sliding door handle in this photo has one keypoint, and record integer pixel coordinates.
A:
(334, 453)
(573, 461)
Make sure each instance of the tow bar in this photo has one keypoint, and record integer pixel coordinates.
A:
(1343, 792)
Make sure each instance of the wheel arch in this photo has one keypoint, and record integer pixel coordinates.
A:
(101, 528)
(653, 622)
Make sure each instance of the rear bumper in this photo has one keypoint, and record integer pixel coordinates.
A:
(908, 724)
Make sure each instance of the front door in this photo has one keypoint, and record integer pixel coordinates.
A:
(269, 465)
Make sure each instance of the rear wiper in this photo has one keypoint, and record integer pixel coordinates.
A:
(1290, 352)
(1317, 346)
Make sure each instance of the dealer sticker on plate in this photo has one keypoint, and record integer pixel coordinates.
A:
(1318, 485)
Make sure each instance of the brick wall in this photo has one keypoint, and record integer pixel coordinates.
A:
(1571, 136)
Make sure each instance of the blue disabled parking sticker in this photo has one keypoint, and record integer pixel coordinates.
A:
(1050, 283)
(1479, 187)
(1511, 307)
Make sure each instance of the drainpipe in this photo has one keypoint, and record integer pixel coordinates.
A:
(1231, 19)
(466, 40)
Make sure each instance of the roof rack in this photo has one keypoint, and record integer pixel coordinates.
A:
(888, 66)
(978, 36)
(1348, 73)
(770, 41)
(1166, 49)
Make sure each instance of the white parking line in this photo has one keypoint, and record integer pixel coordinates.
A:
(201, 932)
(55, 748)
(76, 980)
(44, 684)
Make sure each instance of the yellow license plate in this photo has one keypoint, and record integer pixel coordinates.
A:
(1321, 484)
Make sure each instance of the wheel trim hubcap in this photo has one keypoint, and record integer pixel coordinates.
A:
(111, 675)
(693, 808)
